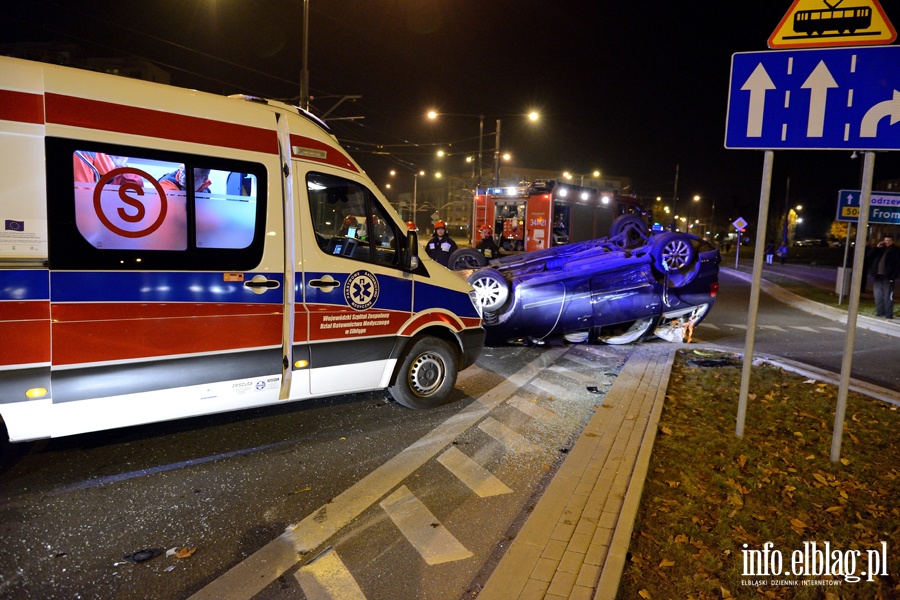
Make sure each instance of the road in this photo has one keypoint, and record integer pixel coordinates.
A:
(787, 332)
(401, 503)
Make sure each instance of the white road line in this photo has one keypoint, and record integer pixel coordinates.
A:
(511, 439)
(737, 325)
(574, 375)
(810, 329)
(706, 325)
(476, 477)
(587, 362)
(554, 390)
(327, 578)
(531, 409)
(773, 327)
(838, 329)
(253, 574)
(597, 351)
(422, 529)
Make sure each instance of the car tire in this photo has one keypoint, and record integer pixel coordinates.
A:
(491, 288)
(674, 256)
(631, 229)
(426, 374)
(466, 258)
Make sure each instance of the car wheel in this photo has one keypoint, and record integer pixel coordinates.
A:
(674, 256)
(630, 231)
(466, 258)
(491, 288)
(426, 374)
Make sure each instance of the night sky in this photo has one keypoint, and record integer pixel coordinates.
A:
(630, 88)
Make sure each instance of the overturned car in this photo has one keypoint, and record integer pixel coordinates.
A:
(621, 289)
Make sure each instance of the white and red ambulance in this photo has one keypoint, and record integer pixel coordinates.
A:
(166, 253)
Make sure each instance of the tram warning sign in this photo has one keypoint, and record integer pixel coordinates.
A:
(829, 23)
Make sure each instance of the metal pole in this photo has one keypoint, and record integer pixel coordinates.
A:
(304, 71)
(675, 200)
(415, 190)
(480, 148)
(787, 210)
(846, 252)
(764, 195)
(497, 156)
(862, 228)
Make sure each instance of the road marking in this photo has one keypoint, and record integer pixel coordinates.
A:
(597, 351)
(838, 329)
(327, 578)
(736, 326)
(476, 477)
(574, 375)
(587, 362)
(532, 409)
(422, 529)
(257, 571)
(706, 325)
(510, 439)
(774, 327)
(554, 390)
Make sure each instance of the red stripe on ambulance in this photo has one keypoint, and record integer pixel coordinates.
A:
(21, 106)
(107, 116)
(25, 331)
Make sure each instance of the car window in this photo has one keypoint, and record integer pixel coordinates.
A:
(349, 222)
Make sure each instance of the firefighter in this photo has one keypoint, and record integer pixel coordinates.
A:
(441, 246)
(487, 245)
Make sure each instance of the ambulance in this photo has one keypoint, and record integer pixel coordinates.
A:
(167, 253)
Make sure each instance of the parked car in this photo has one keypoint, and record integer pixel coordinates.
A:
(624, 288)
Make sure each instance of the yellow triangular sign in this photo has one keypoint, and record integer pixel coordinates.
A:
(825, 23)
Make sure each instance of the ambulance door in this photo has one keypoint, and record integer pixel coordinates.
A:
(162, 278)
(355, 291)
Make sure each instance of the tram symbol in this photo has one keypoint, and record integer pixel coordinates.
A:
(811, 23)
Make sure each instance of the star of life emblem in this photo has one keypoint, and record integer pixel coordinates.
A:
(361, 290)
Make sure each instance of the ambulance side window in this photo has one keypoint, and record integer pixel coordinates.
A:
(153, 209)
(349, 222)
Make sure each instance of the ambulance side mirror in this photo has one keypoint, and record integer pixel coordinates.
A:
(411, 253)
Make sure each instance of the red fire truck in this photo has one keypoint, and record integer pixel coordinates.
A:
(547, 213)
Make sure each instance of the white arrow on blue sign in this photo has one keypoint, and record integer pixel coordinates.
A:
(884, 209)
(824, 99)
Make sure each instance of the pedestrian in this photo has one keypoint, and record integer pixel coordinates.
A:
(770, 251)
(441, 245)
(884, 263)
(781, 253)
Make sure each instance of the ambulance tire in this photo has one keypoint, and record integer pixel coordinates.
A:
(466, 258)
(426, 374)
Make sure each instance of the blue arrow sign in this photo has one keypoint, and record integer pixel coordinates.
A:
(885, 208)
(824, 99)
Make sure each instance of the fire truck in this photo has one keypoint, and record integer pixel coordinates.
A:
(547, 213)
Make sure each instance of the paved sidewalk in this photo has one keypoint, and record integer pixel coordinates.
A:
(575, 541)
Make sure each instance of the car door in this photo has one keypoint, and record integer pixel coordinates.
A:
(356, 294)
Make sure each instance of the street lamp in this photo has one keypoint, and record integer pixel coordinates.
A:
(532, 116)
(415, 192)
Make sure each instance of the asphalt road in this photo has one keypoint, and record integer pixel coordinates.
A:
(787, 332)
(401, 503)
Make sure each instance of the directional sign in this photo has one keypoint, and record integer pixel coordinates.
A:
(885, 208)
(847, 98)
(815, 24)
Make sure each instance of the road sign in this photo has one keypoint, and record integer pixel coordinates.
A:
(831, 99)
(815, 24)
(739, 223)
(884, 210)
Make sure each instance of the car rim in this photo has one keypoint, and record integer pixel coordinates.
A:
(676, 254)
(426, 374)
(488, 291)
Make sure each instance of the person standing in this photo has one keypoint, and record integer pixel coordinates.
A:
(441, 245)
(781, 253)
(884, 264)
(770, 251)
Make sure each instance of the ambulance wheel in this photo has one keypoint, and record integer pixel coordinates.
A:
(466, 258)
(426, 374)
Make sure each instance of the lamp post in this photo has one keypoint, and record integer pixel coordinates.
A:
(304, 70)
(415, 193)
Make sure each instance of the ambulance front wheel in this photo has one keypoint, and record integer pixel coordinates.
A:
(426, 374)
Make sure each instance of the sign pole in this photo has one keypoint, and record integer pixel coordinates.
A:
(764, 195)
(862, 229)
